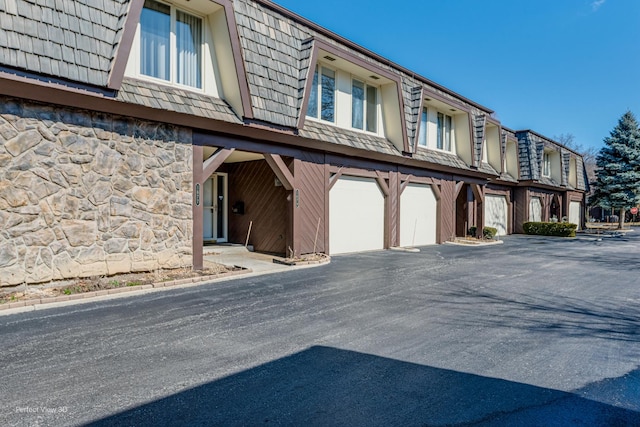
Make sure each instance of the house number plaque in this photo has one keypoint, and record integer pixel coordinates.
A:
(197, 194)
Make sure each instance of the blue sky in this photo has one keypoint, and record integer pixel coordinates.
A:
(553, 66)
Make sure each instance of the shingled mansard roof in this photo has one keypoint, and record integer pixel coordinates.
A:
(531, 149)
(72, 40)
(78, 41)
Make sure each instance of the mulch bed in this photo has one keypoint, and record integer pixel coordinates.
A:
(103, 283)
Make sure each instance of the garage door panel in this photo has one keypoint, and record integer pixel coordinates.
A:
(535, 209)
(356, 216)
(496, 213)
(574, 213)
(418, 216)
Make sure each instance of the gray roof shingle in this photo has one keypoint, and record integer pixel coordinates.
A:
(175, 99)
(37, 30)
(325, 132)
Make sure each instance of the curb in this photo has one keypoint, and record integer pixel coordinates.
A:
(472, 245)
(43, 303)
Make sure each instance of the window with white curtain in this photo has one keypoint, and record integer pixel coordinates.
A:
(170, 44)
(364, 106)
(422, 133)
(443, 141)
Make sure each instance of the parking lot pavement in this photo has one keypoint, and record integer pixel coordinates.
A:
(537, 331)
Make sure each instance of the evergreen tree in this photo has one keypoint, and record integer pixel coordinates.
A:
(618, 167)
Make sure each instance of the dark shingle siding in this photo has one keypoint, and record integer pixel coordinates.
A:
(566, 164)
(524, 155)
(580, 171)
(68, 39)
(412, 96)
(272, 51)
(175, 99)
(479, 127)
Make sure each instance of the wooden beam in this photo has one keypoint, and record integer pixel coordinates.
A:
(333, 179)
(214, 162)
(436, 191)
(477, 192)
(281, 170)
(459, 186)
(405, 183)
(383, 184)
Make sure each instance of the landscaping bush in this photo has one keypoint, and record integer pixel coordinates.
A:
(489, 232)
(561, 229)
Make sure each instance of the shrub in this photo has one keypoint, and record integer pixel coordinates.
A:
(561, 229)
(489, 232)
(472, 231)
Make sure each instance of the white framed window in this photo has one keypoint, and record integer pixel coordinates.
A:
(546, 165)
(171, 44)
(422, 133)
(364, 106)
(443, 139)
(322, 98)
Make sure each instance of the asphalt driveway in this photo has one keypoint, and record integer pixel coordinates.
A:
(537, 331)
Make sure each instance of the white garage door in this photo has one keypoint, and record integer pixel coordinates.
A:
(356, 216)
(495, 213)
(418, 214)
(574, 213)
(535, 209)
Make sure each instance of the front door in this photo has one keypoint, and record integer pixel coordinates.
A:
(215, 208)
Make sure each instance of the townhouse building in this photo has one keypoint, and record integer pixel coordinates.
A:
(134, 132)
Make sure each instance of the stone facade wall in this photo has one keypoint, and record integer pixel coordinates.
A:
(85, 194)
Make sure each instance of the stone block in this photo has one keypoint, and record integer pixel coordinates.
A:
(100, 193)
(120, 206)
(118, 263)
(94, 254)
(142, 194)
(8, 254)
(115, 246)
(107, 161)
(142, 266)
(23, 142)
(41, 237)
(4, 160)
(13, 197)
(80, 233)
(129, 231)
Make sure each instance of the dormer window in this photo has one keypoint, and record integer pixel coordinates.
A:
(171, 44)
(444, 132)
(344, 99)
(364, 106)
(440, 130)
(546, 165)
(422, 134)
(325, 104)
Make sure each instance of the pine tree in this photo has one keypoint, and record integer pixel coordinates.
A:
(618, 172)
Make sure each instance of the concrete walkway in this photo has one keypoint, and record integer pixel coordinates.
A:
(238, 255)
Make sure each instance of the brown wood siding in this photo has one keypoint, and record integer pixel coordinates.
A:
(447, 210)
(264, 204)
(521, 209)
(393, 219)
(309, 173)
